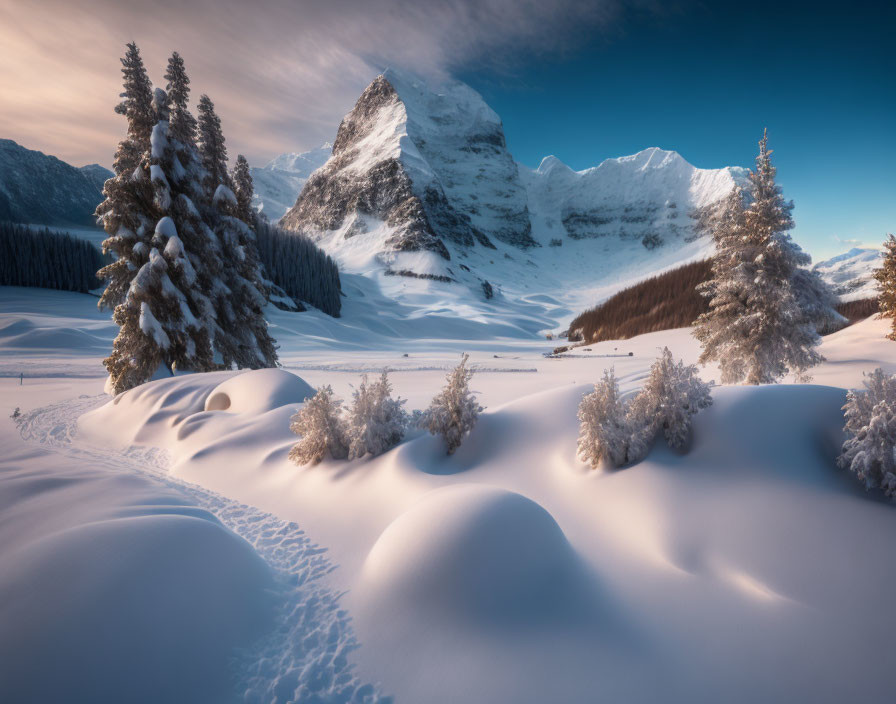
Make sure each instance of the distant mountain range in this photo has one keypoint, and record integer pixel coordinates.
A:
(278, 184)
(420, 185)
(851, 274)
(38, 188)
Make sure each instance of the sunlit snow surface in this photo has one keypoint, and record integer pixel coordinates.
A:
(750, 569)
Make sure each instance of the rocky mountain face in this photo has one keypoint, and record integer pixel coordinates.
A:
(278, 184)
(433, 167)
(421, 184)
(38, 188)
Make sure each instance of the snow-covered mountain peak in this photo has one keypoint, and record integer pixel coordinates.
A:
(549, 163)
(421, 184)
(651, 158)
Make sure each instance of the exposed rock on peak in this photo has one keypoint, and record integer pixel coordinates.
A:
(429, 164)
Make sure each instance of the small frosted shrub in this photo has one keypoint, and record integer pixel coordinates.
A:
(321, 428)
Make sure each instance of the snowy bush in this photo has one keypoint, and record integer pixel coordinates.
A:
(672, 394)
(870, 450)
(605, 431)
(322, 429)
(453, 413)
(376, 421)
(618, 432)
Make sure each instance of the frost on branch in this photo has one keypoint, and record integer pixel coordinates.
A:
(870, 450)
(322, 429)
(453, 413)
(376, 421)
(672, 394)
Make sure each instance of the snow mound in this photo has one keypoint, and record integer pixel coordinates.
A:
(109, 579)
(471, 550)
(258, 391)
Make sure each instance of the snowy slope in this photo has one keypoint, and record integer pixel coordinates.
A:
(277, 185)
(850, 273)
(38, 188)
(421, 185)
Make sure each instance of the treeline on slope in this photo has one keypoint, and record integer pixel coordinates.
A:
(667, 301)
(298, 266)
(664, 302)
(47, 259)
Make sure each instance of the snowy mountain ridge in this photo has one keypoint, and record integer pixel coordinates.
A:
(41, 189)
(421, 185)
(851, 274)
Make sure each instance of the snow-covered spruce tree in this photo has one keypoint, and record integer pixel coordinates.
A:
(136, 106)
(212, 151)
(605, 433)
(163, 317)
(870, 449)
(454, 411)
(190, 207)
(756, 328)
(376, 421)
(886, 281)
(672, 394)
(126, 211)
(182, 124)
(246, 341)
(243, 339)
(243, 189)
(321, 427)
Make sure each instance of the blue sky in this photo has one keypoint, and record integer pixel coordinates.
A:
(705, 79)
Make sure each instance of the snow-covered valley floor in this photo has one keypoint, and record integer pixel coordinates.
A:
(157, 551)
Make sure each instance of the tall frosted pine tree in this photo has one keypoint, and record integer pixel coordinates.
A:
(194, 212)
(212, 151)
(243, 339)
(182, 124)
(756, 328)
(125, 211)
(164, 317)
(886, 281)
(243, 189)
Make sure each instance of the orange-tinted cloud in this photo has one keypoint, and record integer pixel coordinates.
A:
(281, 72)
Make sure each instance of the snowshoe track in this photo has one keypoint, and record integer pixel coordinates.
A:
(306, 656)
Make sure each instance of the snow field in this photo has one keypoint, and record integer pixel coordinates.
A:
(730, 573)
(511, 572)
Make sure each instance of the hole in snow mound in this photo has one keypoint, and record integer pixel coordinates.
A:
(218, 401)
(258, 391)
(476, 551)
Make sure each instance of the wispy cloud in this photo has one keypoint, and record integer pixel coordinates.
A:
(281, 72)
